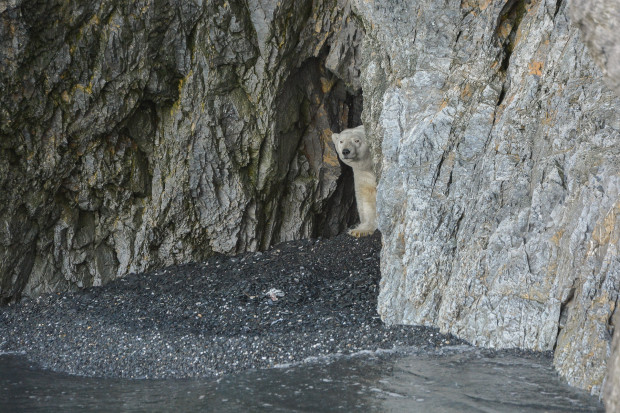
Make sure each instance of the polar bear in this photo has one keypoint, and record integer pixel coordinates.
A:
(354, 151)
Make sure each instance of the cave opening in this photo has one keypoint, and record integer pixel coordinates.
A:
(313, 103)
(341, 209)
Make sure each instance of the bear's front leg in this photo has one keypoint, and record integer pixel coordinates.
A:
(366, 197)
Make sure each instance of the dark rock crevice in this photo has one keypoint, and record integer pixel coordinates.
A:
(507, 27)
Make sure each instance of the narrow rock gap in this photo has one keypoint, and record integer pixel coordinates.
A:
(312, 102)
(507, 27)
(611, 327)
(502, 95)
(558, 6)
(341, 209)
(564, 310)
(345, 111)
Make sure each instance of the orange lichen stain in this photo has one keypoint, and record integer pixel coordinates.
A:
(320, 44)
(466, 92)
(535, 68)
(326, 135)
(557, 237)
(86, 89)
(480, 4)
(552, 268)
(605, 232)
(330, 158)
(326, 84)
(549, 118)
(318, 26)
(603, 300)
(329, 155)
(483, 4)
(504, 29)
(518, 37)
(444, 103)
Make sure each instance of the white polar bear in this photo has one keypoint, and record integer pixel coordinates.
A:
(354, 151)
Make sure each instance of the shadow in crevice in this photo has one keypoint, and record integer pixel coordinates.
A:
(309, 183)
(341, 209)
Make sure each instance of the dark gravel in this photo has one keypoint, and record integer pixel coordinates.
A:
(211, 318)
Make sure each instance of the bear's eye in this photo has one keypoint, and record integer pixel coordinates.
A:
(357, 141)
(341, 141)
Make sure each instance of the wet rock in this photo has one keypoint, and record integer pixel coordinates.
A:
(499, 194)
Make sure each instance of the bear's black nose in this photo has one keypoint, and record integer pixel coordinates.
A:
(346, 151)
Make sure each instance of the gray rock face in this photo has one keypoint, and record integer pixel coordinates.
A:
(499, 201)
(141, 134)
(611, 393)
(599, 22)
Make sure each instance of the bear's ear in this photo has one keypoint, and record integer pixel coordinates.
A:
(335, 137)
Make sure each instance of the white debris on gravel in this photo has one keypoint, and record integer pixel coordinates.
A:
(274, 293)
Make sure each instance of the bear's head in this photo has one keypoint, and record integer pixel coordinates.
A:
(351, 146)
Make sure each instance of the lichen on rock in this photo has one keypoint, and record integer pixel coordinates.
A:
(149, 133)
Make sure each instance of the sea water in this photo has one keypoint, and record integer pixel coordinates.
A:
(458, 379)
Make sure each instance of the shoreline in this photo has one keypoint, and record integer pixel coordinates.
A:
(298, 300)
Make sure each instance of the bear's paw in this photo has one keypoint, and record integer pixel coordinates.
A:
(358, 233)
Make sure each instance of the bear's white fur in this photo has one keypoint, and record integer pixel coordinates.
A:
(354, 151)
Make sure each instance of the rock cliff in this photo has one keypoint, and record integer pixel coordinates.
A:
(141, 134)
(161, 131)
(599, 22)
(499, 196)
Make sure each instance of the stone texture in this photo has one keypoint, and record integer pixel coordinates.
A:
(139, 135)
(499, 146)
(147, 133)
(611, 394)
(599, 23)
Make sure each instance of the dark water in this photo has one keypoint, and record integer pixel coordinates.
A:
(453, 380)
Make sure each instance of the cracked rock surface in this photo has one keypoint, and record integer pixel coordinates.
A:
(599, 23)
(499, 197)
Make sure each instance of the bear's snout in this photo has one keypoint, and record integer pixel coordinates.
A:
(345, 152)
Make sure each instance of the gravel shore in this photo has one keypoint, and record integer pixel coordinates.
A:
(299, 300)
